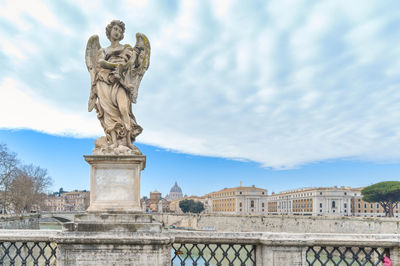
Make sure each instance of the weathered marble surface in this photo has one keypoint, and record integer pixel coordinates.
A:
(116, 73)
(115, 183)
(99, 248)
(113, 222)
(282, 223)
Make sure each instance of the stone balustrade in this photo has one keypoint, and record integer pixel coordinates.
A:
(269, 248)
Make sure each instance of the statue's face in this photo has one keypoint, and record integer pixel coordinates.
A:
(116, 33)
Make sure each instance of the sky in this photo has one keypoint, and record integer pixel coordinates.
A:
(279, 94)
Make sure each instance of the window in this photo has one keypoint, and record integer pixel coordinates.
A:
(372, 205)
(240, 210)
(345, 193)
(359, 205)
(252, 204)
(333, 204)
(320, 205)
(320, 193)
(262, 205)
(320, 210)
(365, 205)
(240, 192)
(240, 204)
(345, 205)
(377, 205)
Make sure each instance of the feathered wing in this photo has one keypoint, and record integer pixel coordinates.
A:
(92, 49)
(142, 63)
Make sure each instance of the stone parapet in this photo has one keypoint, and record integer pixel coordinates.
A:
(127, 248)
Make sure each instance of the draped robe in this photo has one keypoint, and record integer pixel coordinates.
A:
(114, 104)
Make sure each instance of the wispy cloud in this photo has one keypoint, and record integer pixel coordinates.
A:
(283, 83)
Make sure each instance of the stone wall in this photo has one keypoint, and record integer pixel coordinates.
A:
(20, 222)
(277, 223)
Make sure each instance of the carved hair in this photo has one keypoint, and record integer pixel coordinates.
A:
(112, 24)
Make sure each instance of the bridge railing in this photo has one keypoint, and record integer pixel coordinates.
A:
(39, 247)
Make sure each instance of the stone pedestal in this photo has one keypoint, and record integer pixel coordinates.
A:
(115, 183)
(100, 248)
(114, 230)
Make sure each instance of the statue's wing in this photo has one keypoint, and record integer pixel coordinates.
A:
(143, 44)
(92, 49)
(141, 65)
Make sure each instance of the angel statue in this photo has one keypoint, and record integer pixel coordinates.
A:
(115, 73)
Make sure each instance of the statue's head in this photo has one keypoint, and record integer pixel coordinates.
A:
(111, 25)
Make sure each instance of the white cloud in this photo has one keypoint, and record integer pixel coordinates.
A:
(283, 84)
(21, 108)
(17, 11)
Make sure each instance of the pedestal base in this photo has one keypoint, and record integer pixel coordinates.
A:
(115, 183)
(114, 249)
(113, 239)
(111, 222)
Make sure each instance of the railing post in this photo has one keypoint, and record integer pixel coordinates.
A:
(268, 255)
(395, 256)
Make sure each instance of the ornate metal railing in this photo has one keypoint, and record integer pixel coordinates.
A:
(27, 247)
(325, 255)
(213, 254)
(27, 253)
(214, 249)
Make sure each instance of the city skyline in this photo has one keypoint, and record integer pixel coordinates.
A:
(196, 175)
(282, 94)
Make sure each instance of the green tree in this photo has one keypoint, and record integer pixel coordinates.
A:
(386, 193)
(191, 206)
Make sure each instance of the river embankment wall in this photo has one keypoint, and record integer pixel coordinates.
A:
(282, 223)
(20, 222)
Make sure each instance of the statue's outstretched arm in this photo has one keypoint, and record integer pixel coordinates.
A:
(105, 64)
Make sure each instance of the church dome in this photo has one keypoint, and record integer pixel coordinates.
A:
(176, 188)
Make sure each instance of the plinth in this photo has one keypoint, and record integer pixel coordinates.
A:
(114, 230)
(115, 183)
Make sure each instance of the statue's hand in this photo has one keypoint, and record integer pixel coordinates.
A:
(116, 74)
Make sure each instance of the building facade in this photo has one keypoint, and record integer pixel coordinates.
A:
(238, 200)
(156, 203)
(68, 201)
(335, 201)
